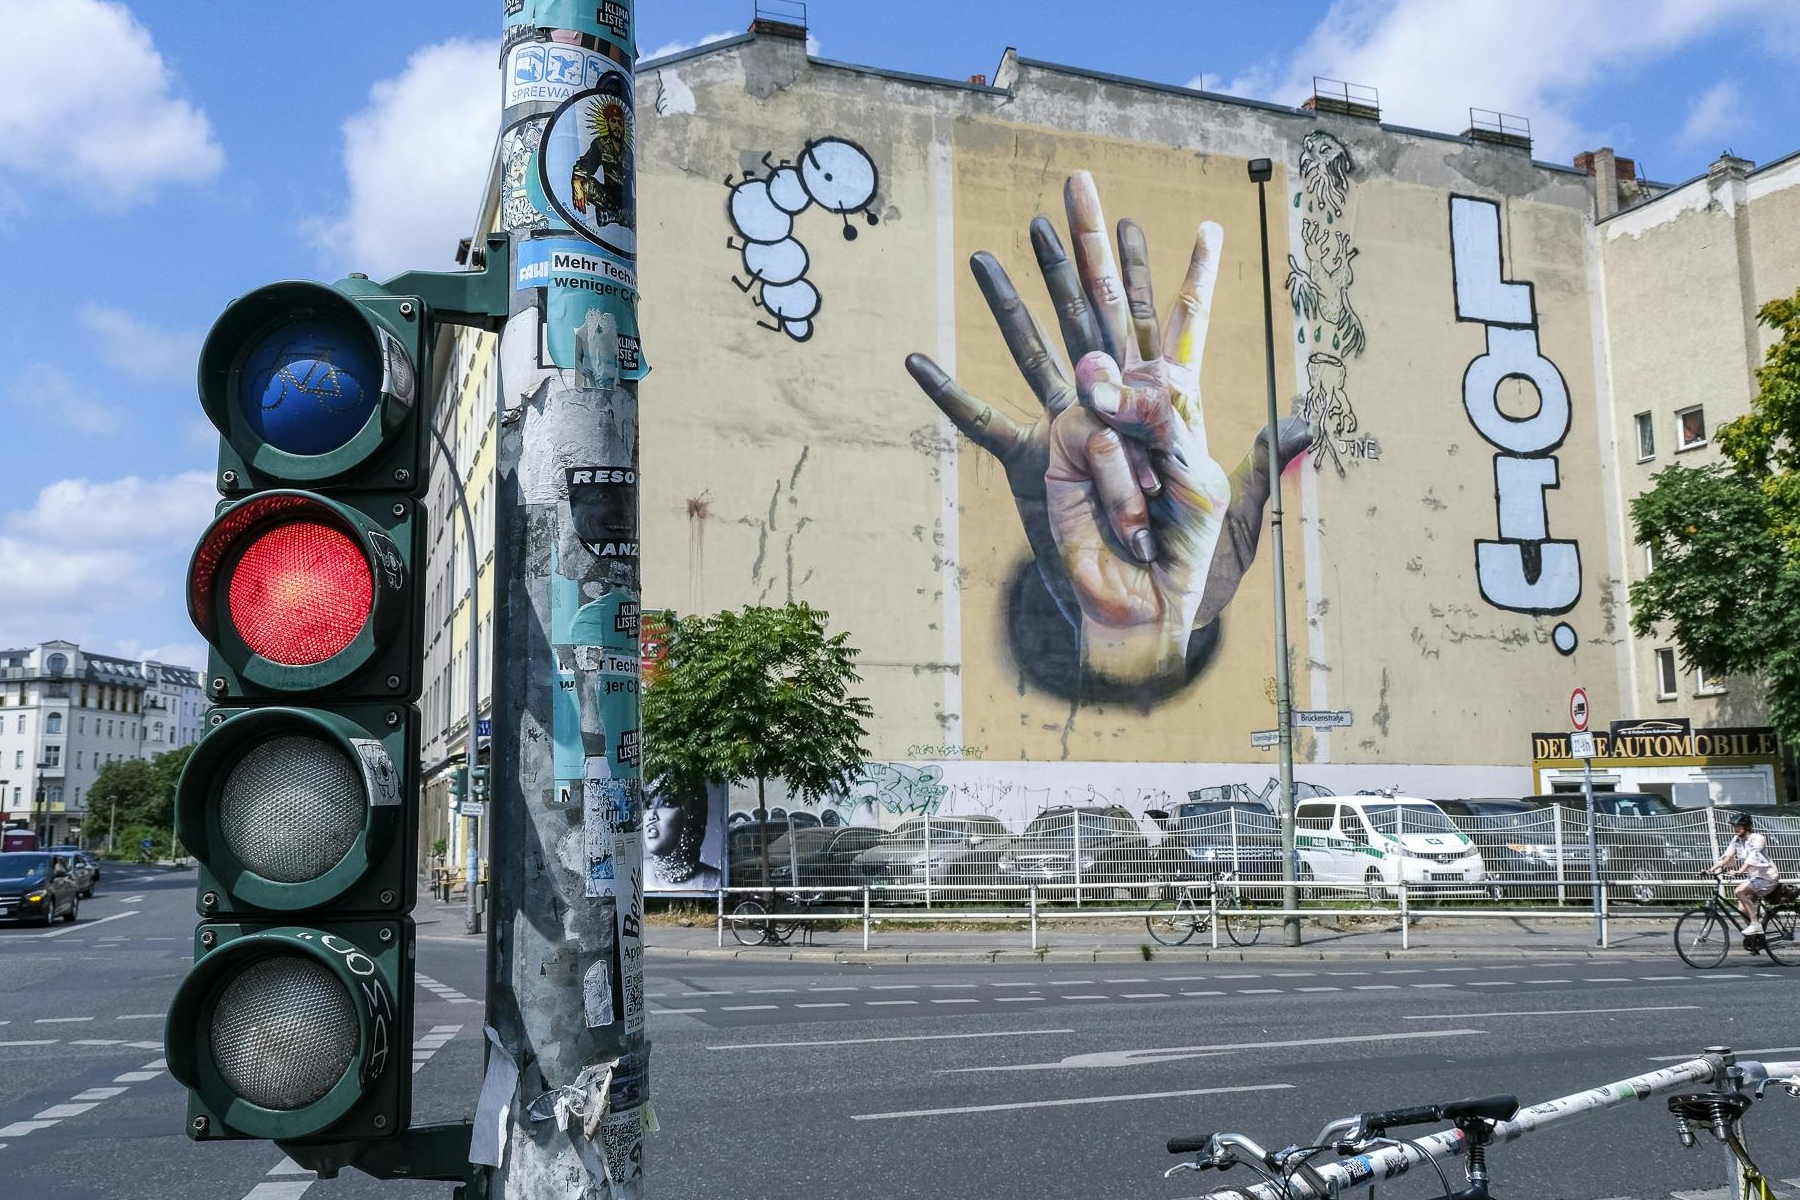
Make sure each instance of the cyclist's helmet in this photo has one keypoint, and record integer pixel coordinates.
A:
(1741, 821)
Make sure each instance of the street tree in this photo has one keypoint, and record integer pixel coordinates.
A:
(143, 789)
(760, 694)
(1724, 539)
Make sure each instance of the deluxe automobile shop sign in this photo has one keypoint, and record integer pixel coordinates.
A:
(1659, 741)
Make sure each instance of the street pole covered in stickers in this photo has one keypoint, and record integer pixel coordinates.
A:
(564, 1104)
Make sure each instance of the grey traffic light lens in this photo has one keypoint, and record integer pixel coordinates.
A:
(292, 808)
(283, 1032)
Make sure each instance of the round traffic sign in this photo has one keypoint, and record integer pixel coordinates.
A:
(1578, 710)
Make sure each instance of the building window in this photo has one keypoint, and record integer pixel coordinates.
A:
(1667, 682)
(1646, 436)
(53, 723)
(18, 759)
(1704, 686)
(1690, 428)
(53, 756)
(78, 760)
(21, 722)
(56, 664)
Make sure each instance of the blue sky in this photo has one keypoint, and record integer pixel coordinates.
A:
(154, 164)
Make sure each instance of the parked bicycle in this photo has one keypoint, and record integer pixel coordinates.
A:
(1369, 1156)
(755, 923)
(1703, 936)
(1177, 918)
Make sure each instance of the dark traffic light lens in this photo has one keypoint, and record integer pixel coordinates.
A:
(283, 1032)
(300, 593)
(292, 808)
(309, 386)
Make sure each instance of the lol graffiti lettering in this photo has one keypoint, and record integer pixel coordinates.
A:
(1525, 570)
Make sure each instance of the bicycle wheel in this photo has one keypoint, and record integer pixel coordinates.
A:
(1702, 938)
(748, 930)
(1173, 922)
(1781, 935)
(1242, 927)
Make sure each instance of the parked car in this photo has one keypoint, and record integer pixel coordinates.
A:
(1519, 845)
(1204, 838)
(36, 885)
(954, 853)
(85, 865)
(1065, 845)
(17, 839)
(1639, 843)
(819, 856)
(1379, 840)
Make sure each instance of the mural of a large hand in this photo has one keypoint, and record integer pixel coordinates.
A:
(1129, 606)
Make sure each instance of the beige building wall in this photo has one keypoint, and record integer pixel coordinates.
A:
(1685, 273)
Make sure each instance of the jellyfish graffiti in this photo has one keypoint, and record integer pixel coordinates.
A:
(833, 174)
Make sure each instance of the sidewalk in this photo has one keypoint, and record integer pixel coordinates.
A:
(1123, 940)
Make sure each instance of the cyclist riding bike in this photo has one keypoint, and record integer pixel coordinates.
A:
(1749, 854)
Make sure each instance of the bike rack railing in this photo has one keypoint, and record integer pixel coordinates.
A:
(1717, 1067)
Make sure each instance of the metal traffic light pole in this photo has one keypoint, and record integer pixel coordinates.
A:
(471, 740)
(564, 1102)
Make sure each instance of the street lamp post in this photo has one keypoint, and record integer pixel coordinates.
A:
(40, 817)
(112, 823)
(1261, 171)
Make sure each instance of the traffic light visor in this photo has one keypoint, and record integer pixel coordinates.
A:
(295, 591)
(304, 382)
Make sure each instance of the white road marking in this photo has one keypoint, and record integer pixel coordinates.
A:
(288, 1166)
(86, 1101)
(1016, 999)
(1375, 987)
(60, 1020)
(99, 1042)
(1492, 983)
(831, 989)
(1203, 993)
(83, 926)
(33, 1042)
(677, 1010)
(917, 1037)
(887, 1003)
(1258, 991)
(748, 1007)
(768, 991)
(100, 1093)
(21, 1128)
(1133, 979)
(893, 987)
(288, 1190)
(1136, 1058)
(132, 900)
(58, 1112)
(1032, 986)
(1084, 996)
(1739, 1053)
(1319, 989)
(139, 1017)
(1431, 985)
(1145, 996)
(135, 1076)
(957, 1000)
(980, 1108)
(825, 1004)
(1556, 1012)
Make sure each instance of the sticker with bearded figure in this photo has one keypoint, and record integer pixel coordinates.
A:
(585, 164)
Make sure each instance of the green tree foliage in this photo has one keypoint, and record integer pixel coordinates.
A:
(143, 788)
(756, 695)
(1725, 539)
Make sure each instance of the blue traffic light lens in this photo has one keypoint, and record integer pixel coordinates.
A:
(308, 386)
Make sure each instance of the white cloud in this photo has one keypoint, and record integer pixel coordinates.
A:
(677, 46)
(1432, 61)
(416, 160)
(104, 564)
(139, 349)
(1715, 116)
(57, 398)
(86, 101)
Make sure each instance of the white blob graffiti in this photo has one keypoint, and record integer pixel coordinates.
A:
(833, 174)
(776, 262)
(1526, 570)
(756, 214)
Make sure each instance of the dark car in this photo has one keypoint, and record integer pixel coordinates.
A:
(36, 885)
(1210, 837)
(1066, 845)
(954, 853)
(1639, 840)
(1519, 843)
(818, 856)
(84, 865)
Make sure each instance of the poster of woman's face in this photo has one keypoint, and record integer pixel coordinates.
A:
(684, 841)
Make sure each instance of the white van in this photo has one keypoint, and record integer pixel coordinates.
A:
(1377, 841)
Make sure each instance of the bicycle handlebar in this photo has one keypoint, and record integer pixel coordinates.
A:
(1189, 1145)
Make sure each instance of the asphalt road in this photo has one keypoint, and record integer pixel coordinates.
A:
(998, 1082)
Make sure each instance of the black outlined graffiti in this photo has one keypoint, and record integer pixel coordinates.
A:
(1320, 291)
(832, 173)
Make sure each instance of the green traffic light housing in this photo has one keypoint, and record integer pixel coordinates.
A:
(290, 809)
(295, 1032)
(299, 593)
(314, 385)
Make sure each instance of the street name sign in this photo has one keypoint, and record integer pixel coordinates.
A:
(1264, 738)
(1322, 718)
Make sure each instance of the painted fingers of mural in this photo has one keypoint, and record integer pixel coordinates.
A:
(1140, 296)
(1099, 267)
(1137, 563)
(1080, 325)
(988, 428)
(1184, 341)
(1242, 530)
(1025, 339)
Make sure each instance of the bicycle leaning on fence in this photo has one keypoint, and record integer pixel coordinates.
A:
(1187, 910)
(754, 922)
(1703, 936)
